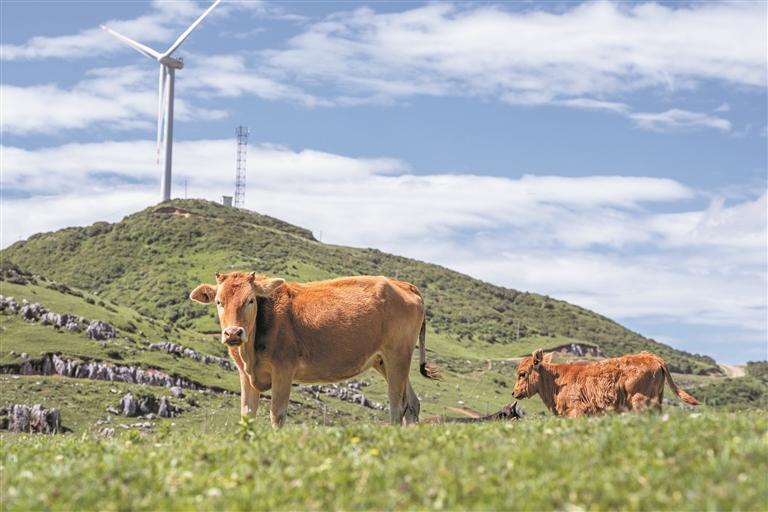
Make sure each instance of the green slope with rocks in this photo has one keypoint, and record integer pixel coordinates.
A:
(151, 260)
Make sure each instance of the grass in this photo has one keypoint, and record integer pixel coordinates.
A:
(150, 262)
(679, 461)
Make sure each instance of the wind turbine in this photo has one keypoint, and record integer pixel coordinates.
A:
(168, 67)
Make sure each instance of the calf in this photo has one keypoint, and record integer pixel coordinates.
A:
(633, 382)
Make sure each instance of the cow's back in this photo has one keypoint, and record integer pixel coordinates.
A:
(341, 323)
(344, 301)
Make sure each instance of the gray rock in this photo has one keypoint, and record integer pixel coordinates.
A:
(148, 406)
(53, 364)
(98, 330)
(349, 392)
(177, 392)
(182, 351)
(129, 405)
(35, 419)
(32, 312)
(9, 304)
(166, 409)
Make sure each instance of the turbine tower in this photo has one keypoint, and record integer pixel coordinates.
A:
(168, 67)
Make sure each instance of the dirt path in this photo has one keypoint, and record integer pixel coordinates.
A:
(466, 412)
(734, 370)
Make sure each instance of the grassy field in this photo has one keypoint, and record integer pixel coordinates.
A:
(678, 461)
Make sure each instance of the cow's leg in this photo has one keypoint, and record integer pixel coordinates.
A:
(397, 380)
(249, 397)
(412, 405)
(281, 392)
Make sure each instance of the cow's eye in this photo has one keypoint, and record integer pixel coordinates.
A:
(218, 302)
(250, 301)
(522, 375)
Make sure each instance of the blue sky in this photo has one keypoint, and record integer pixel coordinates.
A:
(612, 155)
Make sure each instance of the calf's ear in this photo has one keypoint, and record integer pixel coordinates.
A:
(203, 294)
(537, 356)
(548, 358)
(267, 286)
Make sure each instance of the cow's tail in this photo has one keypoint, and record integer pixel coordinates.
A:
(685, 397)
(425, 368)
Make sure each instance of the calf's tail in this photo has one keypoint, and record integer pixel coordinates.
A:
(685, 397)
(425, 368)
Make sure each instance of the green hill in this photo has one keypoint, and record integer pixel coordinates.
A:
(152, 259)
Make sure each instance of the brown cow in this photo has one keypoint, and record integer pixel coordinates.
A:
(633, 382)
(279, 333)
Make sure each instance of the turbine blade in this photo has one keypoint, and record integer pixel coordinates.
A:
(192, 27)
(144, 50)
(160, 110)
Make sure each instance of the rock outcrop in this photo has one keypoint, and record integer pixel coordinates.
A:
(9, 304)
(578, 349)
(35, 419)
(53, 364)
(66, 321)
(140, 405)
(99, 330)
(182, 351)
(35, 312)
(31, 311)
(349, 392)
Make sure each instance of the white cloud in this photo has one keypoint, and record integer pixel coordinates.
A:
(579, 57)
(588, 56)
(670, 120)
(590, 240)
(120, 98)
(162, 25)
(676, 119)
(229, 76)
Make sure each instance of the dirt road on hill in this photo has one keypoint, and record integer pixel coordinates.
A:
(734, 370)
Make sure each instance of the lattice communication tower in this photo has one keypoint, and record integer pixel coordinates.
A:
(242, 149)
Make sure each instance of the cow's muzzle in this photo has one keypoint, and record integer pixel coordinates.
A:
(233, 336)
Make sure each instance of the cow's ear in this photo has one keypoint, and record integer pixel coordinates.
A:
(548, 358)
(203, 294)
(266, 287)
(537, 356)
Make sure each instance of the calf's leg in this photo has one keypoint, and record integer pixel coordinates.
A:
(639, 402)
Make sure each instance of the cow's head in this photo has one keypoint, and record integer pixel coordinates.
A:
(235, 296)
(528, 378)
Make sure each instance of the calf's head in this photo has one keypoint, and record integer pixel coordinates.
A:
(528, 374)
(235, 296)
